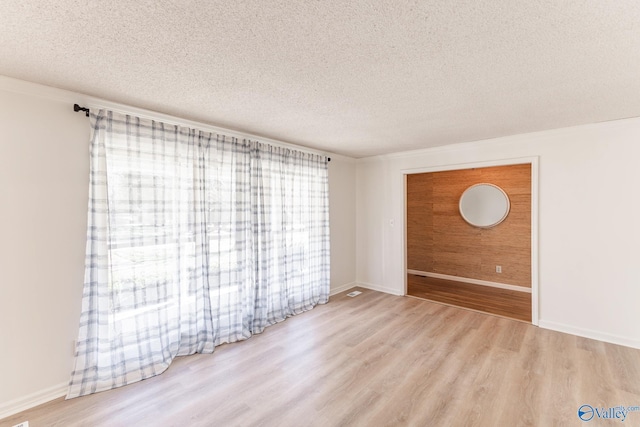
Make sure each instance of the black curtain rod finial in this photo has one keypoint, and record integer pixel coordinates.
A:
(77, 108)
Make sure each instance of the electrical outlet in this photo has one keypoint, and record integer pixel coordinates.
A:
(498, 269)
(22, 424)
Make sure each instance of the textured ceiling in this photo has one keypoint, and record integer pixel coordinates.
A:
(358, 77)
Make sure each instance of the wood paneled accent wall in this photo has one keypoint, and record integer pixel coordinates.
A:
(440, 241)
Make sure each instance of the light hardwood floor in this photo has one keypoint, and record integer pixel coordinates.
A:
(374, 360)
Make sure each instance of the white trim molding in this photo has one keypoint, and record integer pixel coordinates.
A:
(379, 288)
(472, 165)
(342, 288)
(364, 285)
(588, 333)
(472, 281)
(20, 404)
(23, 87)
(505, 140)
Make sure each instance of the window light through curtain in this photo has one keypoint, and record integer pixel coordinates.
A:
(194, 239)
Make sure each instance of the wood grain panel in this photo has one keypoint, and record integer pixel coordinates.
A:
(420, 220)
(440, 241)
(503, 302)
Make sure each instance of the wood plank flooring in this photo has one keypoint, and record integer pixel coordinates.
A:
(374, 360)
(503, 302)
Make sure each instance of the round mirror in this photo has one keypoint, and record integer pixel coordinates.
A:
(484, 205)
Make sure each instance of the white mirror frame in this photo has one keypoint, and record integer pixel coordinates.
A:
(484, 205)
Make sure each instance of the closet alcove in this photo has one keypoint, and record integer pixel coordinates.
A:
(484, 267)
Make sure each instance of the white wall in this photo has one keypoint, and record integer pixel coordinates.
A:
(44, 170)
(588, 236)
(589, 273)
(43, 194)
(342, 219)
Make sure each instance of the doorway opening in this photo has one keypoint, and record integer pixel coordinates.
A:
(452, 262)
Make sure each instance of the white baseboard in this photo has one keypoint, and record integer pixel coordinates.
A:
(34, 399)
(342, 288)
(365, 285)
(588, 333)
(379, 288)
(472, 281)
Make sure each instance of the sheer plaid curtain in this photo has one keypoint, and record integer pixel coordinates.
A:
(193, 240)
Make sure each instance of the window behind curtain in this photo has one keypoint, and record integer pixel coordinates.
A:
(194, 239)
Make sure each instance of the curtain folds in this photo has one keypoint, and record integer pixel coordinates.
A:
(193, 240)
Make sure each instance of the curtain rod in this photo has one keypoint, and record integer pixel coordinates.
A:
(77, 108)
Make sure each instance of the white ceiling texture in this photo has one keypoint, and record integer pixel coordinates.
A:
(357, 77)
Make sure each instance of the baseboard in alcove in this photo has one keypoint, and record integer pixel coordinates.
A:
(469, 280)
(487, 299)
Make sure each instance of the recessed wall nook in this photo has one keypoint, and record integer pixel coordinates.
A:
(484, 266)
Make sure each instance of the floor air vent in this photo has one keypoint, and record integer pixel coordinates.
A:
(354, 294)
